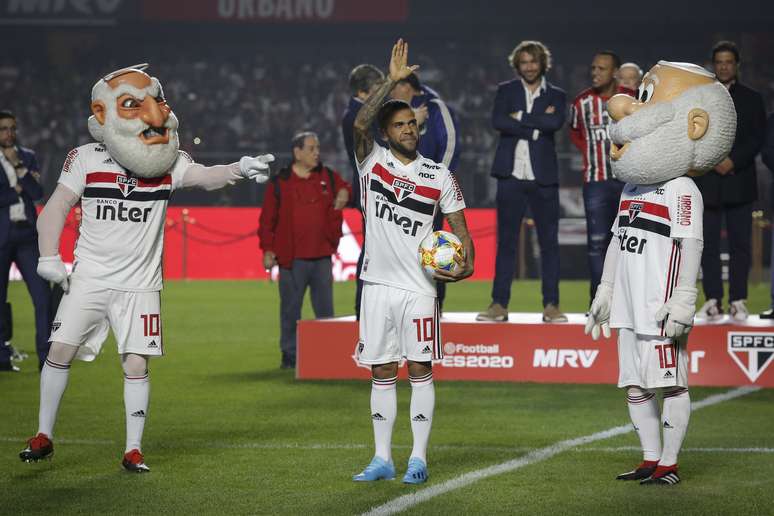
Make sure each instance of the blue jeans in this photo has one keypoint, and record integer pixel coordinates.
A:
(513, 196)
(600, 200)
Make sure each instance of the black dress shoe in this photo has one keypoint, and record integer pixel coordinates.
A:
(768, 314)
(9, 367)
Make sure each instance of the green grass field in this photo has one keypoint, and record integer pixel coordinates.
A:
(230, 433)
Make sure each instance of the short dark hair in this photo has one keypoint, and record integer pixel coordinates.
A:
(615, 57)
(298, 140)
(413, 81)
(726, 46)
(534, 48)
(6, 113)
(363, 77)
(387, 110)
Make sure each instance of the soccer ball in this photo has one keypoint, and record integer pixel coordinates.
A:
(437, 250)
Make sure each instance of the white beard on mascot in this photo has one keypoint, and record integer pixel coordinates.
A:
(681, 124)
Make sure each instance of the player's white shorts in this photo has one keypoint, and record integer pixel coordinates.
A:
(651, 362)
(88, 311)
(397, 323)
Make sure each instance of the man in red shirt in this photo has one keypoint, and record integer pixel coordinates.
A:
(300, 228)
(589, 132)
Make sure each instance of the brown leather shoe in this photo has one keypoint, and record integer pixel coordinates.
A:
(495, 313)
(552, 314)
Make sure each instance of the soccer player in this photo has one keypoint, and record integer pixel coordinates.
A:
(401, 192)
(123, 181)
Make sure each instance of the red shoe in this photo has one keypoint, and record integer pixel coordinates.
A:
(664, 475)
(38, 448)
(135, 462)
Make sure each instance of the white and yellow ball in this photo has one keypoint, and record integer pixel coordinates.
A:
(437, 251)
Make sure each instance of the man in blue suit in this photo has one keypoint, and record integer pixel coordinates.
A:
(19, 189)
(528, 110)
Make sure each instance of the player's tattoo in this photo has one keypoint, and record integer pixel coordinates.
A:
(364, 139)
(460, 228)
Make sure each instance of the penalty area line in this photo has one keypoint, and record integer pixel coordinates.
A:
(407, 501)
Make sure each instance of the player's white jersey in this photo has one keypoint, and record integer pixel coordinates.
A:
(399, 203)
(122, 219)
(651, 220)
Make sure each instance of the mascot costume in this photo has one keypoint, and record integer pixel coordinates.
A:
(682, 123)
(123, 182)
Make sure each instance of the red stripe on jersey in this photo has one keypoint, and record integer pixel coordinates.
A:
(110, 177)
(424, 191)
(659, 210)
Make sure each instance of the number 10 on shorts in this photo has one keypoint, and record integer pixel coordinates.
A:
(151, 325)
(666, 355)
(425, 329)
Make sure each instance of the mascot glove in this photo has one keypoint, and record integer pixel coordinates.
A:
(599, 313)
(677, 313)
(256, 168)
(52, 268)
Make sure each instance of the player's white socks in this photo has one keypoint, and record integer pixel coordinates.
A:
(136, 392)
(53, 382)
(643, 411)
(422, 407)
(384, 407)
(676, 413)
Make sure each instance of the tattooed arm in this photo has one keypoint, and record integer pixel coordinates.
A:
(464, 263)
(364, 140)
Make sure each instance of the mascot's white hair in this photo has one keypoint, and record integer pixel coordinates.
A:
(121, 137)
(659, 147)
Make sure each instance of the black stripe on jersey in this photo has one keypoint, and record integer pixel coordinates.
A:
(645, 224)
(408, 202)
(113, 193)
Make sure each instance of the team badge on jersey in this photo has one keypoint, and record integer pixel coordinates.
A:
(126, 184)
(753, 352)
(402, 188)
(634, 209)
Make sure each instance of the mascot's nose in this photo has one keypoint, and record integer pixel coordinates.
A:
(622, 105)
(151, 113)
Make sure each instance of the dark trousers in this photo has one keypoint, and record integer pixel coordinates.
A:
(739, 233)
(315, 274)
(600, 200)
(513, 197)
(21, 247)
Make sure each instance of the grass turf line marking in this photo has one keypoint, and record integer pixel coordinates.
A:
(404, 502)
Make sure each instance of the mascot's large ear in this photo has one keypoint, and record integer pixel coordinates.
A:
(98, 109)
(698, 123)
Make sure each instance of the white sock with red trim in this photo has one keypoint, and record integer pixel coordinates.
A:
(422, 407)
(136, 394)
(53, 382)
(677, 412)
(643, 411)
(384, 407)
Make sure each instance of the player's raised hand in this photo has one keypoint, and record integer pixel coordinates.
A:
(399, 68)
(52, 268)
(598, 320)
(256, 168)
(463, 269)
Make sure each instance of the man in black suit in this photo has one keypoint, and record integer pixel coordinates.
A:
(19, 189)
(730, 190)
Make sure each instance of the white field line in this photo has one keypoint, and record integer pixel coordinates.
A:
(407, 501)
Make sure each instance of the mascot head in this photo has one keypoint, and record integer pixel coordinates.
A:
(132, 118)
(682, 122)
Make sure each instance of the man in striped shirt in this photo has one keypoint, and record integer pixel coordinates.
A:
(589, 132)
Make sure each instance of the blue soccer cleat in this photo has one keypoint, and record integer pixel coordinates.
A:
(378, 469)
(416, 472)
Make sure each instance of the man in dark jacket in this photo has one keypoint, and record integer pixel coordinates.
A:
(19, 189)
(300, 228)
(729, 191)
(527, 112)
